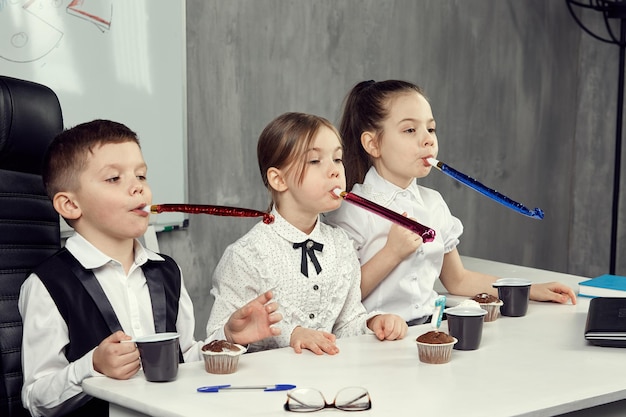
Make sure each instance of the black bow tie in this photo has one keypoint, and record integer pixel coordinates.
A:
(308, 248)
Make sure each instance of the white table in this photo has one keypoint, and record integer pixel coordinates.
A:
(537, 365)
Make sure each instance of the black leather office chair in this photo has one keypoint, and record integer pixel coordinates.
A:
(30, 117)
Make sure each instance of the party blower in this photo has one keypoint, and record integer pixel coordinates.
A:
(427, 234)
(537, 213)
(207, 209)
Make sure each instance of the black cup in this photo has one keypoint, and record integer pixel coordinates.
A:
(515, 294)
(466, 324)
(159, 356)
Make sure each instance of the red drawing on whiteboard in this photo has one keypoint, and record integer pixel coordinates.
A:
(97, 12)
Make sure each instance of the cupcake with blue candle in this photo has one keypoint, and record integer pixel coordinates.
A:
(435, 346)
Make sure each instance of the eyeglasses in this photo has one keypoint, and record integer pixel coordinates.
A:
(304, 400)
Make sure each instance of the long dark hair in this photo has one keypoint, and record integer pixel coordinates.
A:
(365, 108)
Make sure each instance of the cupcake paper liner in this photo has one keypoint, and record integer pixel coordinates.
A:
(222, 362)
(435, 353)
(492, 309)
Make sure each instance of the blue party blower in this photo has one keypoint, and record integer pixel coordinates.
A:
(537, 213)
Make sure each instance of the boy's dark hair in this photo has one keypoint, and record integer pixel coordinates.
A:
(365, 108)
(67, 154)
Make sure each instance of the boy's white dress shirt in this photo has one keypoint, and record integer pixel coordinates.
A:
(51, 383)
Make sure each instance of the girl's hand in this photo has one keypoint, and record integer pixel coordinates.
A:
(552, 291)
(388, 326)
(316, 341)
(401, 241)
(254, 321)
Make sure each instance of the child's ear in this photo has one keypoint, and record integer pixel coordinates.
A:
(276, 179)
(65, 205)
(370, 144)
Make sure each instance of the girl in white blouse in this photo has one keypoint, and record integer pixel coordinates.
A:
(311, 267)
(389, 131)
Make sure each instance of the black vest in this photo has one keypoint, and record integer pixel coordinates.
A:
(88, 313)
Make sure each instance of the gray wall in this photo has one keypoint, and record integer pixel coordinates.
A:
(524, 101)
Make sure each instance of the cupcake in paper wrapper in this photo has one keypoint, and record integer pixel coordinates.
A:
(221, 356)
(490, 304)
(435, 347)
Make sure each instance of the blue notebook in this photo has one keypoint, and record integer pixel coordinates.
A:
(603, 286)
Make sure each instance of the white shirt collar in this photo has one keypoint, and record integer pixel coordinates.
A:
(91, 257)
(291, 233)
(384, 192)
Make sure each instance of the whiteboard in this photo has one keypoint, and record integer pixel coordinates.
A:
(122, 60)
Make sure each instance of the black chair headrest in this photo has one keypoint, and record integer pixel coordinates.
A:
(30, 118)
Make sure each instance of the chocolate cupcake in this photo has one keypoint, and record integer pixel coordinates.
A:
(435, 347)
(490, 304)
(221, 356)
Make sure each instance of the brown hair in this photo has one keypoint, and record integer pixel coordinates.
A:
(67, 154)
(365, 108)
(284, 142)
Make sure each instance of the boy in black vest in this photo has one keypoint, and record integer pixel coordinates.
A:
(104, 287)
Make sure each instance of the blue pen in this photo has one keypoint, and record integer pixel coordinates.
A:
(218, 388)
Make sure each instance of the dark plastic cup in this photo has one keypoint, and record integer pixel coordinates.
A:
(515, 294)
(466, 324)
(159, 356)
